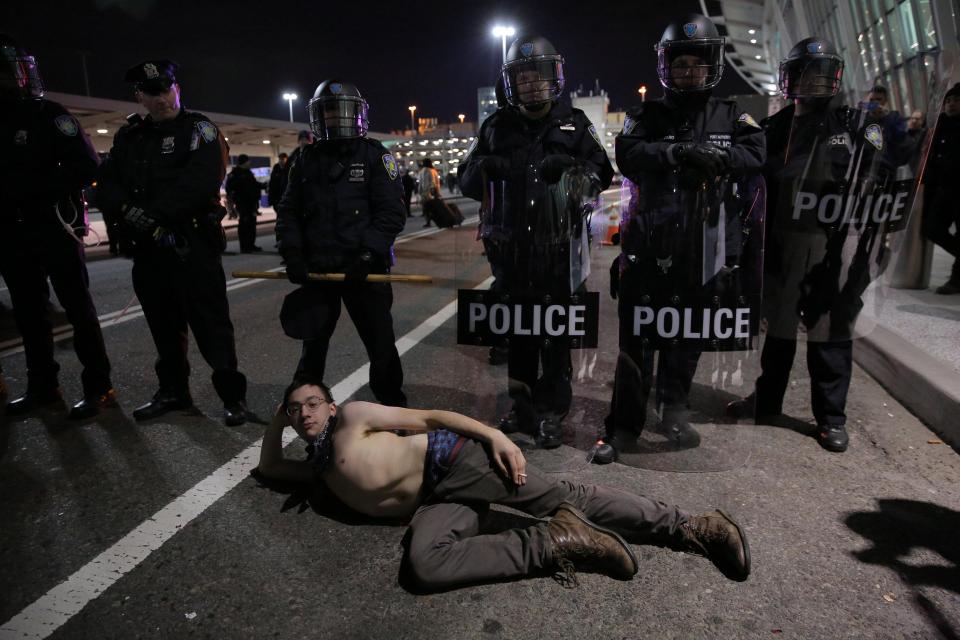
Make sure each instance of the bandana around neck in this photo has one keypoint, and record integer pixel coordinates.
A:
(320, 451)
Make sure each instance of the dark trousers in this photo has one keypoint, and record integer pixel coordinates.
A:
(539, 383)
(247, 226)
(445, 548)
(178, 291)
(369, 307)
(830, 365)
(941, 211)
(633, 379)
(26, 264)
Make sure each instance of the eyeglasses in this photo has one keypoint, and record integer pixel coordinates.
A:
(313, 403)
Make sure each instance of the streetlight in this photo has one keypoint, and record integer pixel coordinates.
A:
(503, 33)
(290, 97)
(412, 108)
(462, 118)
(643, 92)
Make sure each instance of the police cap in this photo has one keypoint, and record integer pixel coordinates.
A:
(152, 76)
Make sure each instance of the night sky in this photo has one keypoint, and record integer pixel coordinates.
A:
(238, 57)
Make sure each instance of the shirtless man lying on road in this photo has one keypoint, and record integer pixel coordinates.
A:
(451, 468)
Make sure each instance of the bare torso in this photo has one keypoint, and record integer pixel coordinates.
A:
(376, 472)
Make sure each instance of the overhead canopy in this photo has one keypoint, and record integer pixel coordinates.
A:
(256, 137)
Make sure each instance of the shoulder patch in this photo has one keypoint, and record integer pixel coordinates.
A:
(67, 125)
(390, 165)
(747, 119)
(593, 132)
(207, 130)
(629, 124)
(874, 136)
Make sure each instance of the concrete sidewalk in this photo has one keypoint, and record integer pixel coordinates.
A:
(912, 348)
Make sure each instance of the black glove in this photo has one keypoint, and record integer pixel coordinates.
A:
(495, 167)
(553, 166)
(136, 220)
(296, 267)
(708, 159)
(615, 277)
(676, 152)
(358, 270)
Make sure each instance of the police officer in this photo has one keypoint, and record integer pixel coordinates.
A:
(244, 189)
(522, 149)
(341, 212)
(942, 191)
(683, 154)
(160, 188)
(813, 151)
(46, 161)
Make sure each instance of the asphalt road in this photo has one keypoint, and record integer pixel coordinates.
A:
(117, 529)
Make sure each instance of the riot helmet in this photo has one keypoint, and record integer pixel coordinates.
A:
(533, 72)
(690, 55)
(812, 69)
(19, 75)
(338, 111)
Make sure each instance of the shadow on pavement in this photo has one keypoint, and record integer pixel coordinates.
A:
(900, 528)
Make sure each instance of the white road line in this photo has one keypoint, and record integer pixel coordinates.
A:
(63, 332)
(57, 606)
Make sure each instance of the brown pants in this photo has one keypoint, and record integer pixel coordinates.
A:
(446, 551)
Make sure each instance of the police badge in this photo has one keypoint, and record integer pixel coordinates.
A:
(690, 29)
(150, 70)
(593, 132)
(874, 136)
(207, 131)
(746, 118)
(391, 166)
(526, 49)
(67, 125)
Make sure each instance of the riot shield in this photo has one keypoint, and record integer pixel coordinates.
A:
(836, 218)
(689, 300)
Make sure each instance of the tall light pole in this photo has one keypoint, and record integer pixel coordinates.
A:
(462, 118)
(412, 108)
(290, 97)
(503, 33)
(643, 92)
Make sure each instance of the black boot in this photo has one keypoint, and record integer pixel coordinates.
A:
(32, 400)
(679, 431)
(234, 413)
(92, 405)
(833, 437)
(511, 423)
(164, 401)
(604, 452)
(550, 433)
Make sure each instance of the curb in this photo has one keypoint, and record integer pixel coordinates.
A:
(926, 386)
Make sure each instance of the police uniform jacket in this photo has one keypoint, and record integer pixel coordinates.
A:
(172, 170)
(671, 220)
(516, 202)
(45, 160)
(342, 198)
(818, 264)
(651, 128)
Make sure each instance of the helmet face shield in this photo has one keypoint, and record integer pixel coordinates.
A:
(810, 77)
(19, 75)
(338, 117)
(533, 81)
(690, 66)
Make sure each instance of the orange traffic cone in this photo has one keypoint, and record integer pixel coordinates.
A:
(613, 229)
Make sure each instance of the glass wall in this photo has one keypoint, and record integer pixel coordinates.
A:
(897, 41)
